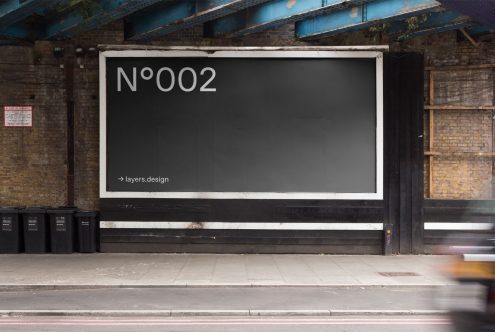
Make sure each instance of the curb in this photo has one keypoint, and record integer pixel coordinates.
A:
(20, 288)
(189, 313)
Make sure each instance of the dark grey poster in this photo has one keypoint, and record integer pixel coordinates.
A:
(265, 125)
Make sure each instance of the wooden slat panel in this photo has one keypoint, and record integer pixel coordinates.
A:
(458, 203)
(237, 240)
(337, 235)
(240, 248)
(403, 102)
(240, 210)
(456, 211)
(443, 237)
(391, 148)
(460, 216)
(459, 211)
(175, 240)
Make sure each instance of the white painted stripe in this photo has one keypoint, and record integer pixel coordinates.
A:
(457, 226)
(243, 225)
(282, 226)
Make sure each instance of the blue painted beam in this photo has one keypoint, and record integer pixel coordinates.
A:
(481, 11)
(181, 15)
(17, 31)
(74, 23)
(477, 30)
(360, 17)
(272, 14)
(13, 11)
(435, 23)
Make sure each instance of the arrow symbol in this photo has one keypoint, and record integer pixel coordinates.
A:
(121, 178)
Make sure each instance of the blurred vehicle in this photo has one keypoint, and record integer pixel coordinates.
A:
(474, 264)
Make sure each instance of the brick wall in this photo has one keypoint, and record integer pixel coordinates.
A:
(33, 161)
(464, 138)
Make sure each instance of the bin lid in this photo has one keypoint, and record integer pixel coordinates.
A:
(62, 210)
(8, 209)
(34, 209)
(93, 214)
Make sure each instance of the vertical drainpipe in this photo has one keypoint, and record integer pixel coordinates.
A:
(69, 93)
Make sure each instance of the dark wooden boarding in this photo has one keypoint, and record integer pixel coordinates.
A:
(456, 211)
(401, 208)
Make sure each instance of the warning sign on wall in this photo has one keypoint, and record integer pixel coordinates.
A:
(18, 116)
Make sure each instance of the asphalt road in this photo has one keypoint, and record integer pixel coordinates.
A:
(134, 304)
(221, 324)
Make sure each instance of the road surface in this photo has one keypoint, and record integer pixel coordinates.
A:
(135, 304)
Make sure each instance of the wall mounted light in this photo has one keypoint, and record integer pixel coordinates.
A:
(93, 51)
(58, 51)
(79, 52)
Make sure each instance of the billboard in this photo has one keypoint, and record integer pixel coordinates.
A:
(241, 124)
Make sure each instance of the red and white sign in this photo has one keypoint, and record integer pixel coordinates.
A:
(18, 116)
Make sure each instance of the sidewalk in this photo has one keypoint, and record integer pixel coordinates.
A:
(206, 270)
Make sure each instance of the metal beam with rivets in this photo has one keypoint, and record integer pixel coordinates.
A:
(108, 11)
(362, 16)
(272, 14)
(13, 11)
(181, 15)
